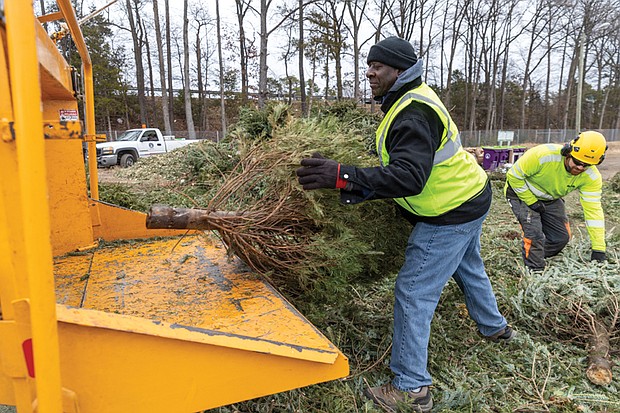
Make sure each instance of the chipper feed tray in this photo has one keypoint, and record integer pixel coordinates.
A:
(175, 318)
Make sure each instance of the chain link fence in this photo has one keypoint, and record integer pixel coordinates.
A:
(521, 136)
(468, 138)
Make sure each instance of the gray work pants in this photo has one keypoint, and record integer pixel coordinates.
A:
(544, 235)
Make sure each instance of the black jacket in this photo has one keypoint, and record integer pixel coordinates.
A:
(412, 140)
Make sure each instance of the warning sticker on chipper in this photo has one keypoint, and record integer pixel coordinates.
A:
(67, 115)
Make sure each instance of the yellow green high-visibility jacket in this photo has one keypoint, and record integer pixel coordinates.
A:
(456, 176)
(539, 174)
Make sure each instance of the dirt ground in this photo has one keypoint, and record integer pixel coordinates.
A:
(611, 164)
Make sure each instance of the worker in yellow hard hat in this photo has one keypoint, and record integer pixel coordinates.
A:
(536, 184)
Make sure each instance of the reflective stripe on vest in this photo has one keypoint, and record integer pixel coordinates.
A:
(448, 147)
(455, 178)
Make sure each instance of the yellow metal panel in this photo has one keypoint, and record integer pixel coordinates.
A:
(50, 17)
(191, 284)
(70, 218)
(63, 130)
(55, 73)
(324, 353)
(118, 371)
(34, 226)
(7, 396)
(9, 195)
(174, 325)
(6, 111)
(111, 222)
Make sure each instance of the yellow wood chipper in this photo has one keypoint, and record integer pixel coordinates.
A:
(164, 323)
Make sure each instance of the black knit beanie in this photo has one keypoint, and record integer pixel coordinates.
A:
(393, 51)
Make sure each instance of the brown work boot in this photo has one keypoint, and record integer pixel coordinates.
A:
(392, 400)
(503, 336)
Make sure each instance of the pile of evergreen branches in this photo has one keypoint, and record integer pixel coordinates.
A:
(301, 240)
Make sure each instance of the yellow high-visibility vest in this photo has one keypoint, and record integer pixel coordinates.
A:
(540, 174)
(455, 178)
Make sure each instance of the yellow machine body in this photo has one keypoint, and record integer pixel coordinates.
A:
(97, 313)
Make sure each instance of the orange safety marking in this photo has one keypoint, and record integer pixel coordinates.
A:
(527, 244)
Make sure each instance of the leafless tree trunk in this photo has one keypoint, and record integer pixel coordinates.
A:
(221, 63)
(471, 76)
(382, 10)
(357, 10)
(262, 70)
(264, 38)
(548, 43)
(457, 19)
(187, 93)
(427, 17)
(570, 81)
(507, 15)
(162, 70)
(150, 112)
(287, 53)
(242, 9)
(403, 16)
(302, 80)
(169, 60)
(613, 84)
(338, 42)
(201, 91)
(137, 52)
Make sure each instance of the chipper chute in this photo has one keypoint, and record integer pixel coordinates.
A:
(165, 322)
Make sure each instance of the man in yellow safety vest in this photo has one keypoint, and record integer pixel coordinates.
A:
(536, 184)
(441, 189)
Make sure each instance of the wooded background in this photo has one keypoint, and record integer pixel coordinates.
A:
(189, 65)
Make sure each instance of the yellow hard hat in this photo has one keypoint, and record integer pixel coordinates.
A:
(589, 147)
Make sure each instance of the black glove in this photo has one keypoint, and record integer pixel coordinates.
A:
(598, 256)
(537, 206)
(318, 172)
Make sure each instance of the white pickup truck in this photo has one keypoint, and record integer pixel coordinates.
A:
(136, 143)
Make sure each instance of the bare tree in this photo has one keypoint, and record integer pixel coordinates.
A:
(137, 38)
(357, 11)
(264, 39)
(201, 19)
(328, 21)
(221, 64)
(380, 9)
(403, 15)
(456, 18)
(288, 51)
(302, 78)
(242, 9)
(169, 60)
(187, 93)
(150, 110)
(612, 66)
(162, 70)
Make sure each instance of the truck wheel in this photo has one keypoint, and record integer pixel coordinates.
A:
(127, 160)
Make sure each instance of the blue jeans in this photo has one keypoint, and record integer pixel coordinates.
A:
(434, 254)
